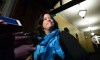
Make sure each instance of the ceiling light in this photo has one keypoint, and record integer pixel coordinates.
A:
(82, 13)
(92, 33)
(90, 28)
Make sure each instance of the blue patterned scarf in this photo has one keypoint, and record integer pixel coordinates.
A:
(48, 47)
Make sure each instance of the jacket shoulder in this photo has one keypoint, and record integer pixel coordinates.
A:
(70, 44)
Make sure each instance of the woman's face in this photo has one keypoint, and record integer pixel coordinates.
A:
(47, 22)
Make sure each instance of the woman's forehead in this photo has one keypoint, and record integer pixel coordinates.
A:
(45, 15)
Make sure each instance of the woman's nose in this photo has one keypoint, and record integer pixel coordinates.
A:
(49, 19)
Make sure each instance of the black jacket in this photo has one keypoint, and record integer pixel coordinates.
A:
(72, 49)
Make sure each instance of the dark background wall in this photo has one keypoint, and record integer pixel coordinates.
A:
(28, 12)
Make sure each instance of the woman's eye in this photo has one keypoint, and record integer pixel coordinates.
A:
(44, 19)
(47, 18)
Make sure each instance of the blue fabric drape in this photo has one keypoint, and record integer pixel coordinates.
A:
(48, 47)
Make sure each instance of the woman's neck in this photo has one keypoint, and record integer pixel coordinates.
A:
(47, 31)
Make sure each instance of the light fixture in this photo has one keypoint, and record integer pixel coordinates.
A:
(92, 33)
(82, 13)
(90, 28)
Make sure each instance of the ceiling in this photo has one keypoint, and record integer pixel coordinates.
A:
(47, 4)
(92, 17)
(69, 9)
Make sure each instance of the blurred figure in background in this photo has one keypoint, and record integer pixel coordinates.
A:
(76, 51)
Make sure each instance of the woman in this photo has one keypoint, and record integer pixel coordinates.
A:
(52, 43)
(48, 36)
